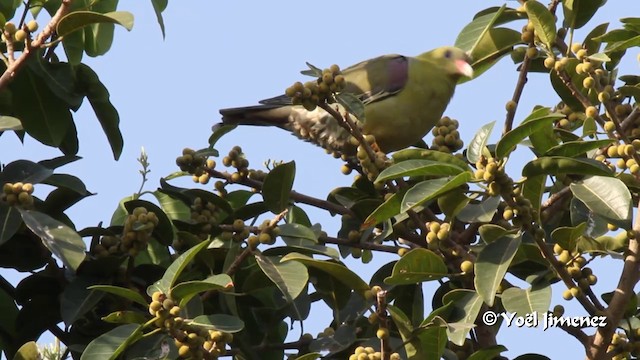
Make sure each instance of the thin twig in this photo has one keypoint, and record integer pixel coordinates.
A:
(294, 195)
(517, 93)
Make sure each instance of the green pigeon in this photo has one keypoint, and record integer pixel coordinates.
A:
(403, 97)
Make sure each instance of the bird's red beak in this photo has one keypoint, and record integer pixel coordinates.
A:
(464, 68)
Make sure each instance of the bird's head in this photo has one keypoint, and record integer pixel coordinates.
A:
(452, 60)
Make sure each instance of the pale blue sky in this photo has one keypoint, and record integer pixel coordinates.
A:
(225, 54)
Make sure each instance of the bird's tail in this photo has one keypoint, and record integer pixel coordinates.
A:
(260, 115)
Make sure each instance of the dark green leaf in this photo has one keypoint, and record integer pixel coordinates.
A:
(533, 300)
(337, 270)
(107, 115)
(605, 196)
(158, 7)
(184, 291)
(79, 19)
(575, 148)
(578, 12)
(492, 264)
(218, 131)
(591, 44)
(417, 167)
(480, 212)
(277, 187)
(430, 189)
(43, 115)
(543, 22)
(473, 32)
(122, 292)
(290, 277)
(172, 274)
(60, 239)
(24, 171)
(110, 344)
(11, 221)
(418, 265)
(554, 165)
(221, 322)
(174, 208)
(437, 156)
(515, 136)
(352, 104)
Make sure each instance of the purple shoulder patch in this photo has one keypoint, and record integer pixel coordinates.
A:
(398, 70)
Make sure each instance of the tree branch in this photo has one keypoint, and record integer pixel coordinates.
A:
(13, 68)
(622, 294)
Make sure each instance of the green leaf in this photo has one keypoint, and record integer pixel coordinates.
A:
(591, 44)
(602, 57)
(43, 115)
(98, 96)
(492, 264)
(605, 196)
(174, 208)
(494, 45)
(575, 148)
(277, 187)
(567, 237)
(543, 22)
(533, 300)
(310, 356)
(386, 210)
(220, 322)
(491, 232)
(417, 167)
(473, 32)
(24, 171)
(555, 165)
(79, 19)
(290, 277)
(218, 131)
(69, 182)
(417, 347)
(158, 7)
(76, 300)
(10, 123)
(122, 292)
(111, 344)
(430, 189)
(184, 291)
(480, 212)
(467, 304)
(437, 156)
(11, 221)
(28, 351)
(479, 141)
(577, 13)
(488, 353)
(125, 317)
(172, 273)
(623, 45)
(418, 265)
(352, 104)
(60, 239)
(509, 141)
(164, 231)
(335, 269)
(297, 231)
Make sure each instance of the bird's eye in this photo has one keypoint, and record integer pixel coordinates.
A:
(447, 54)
